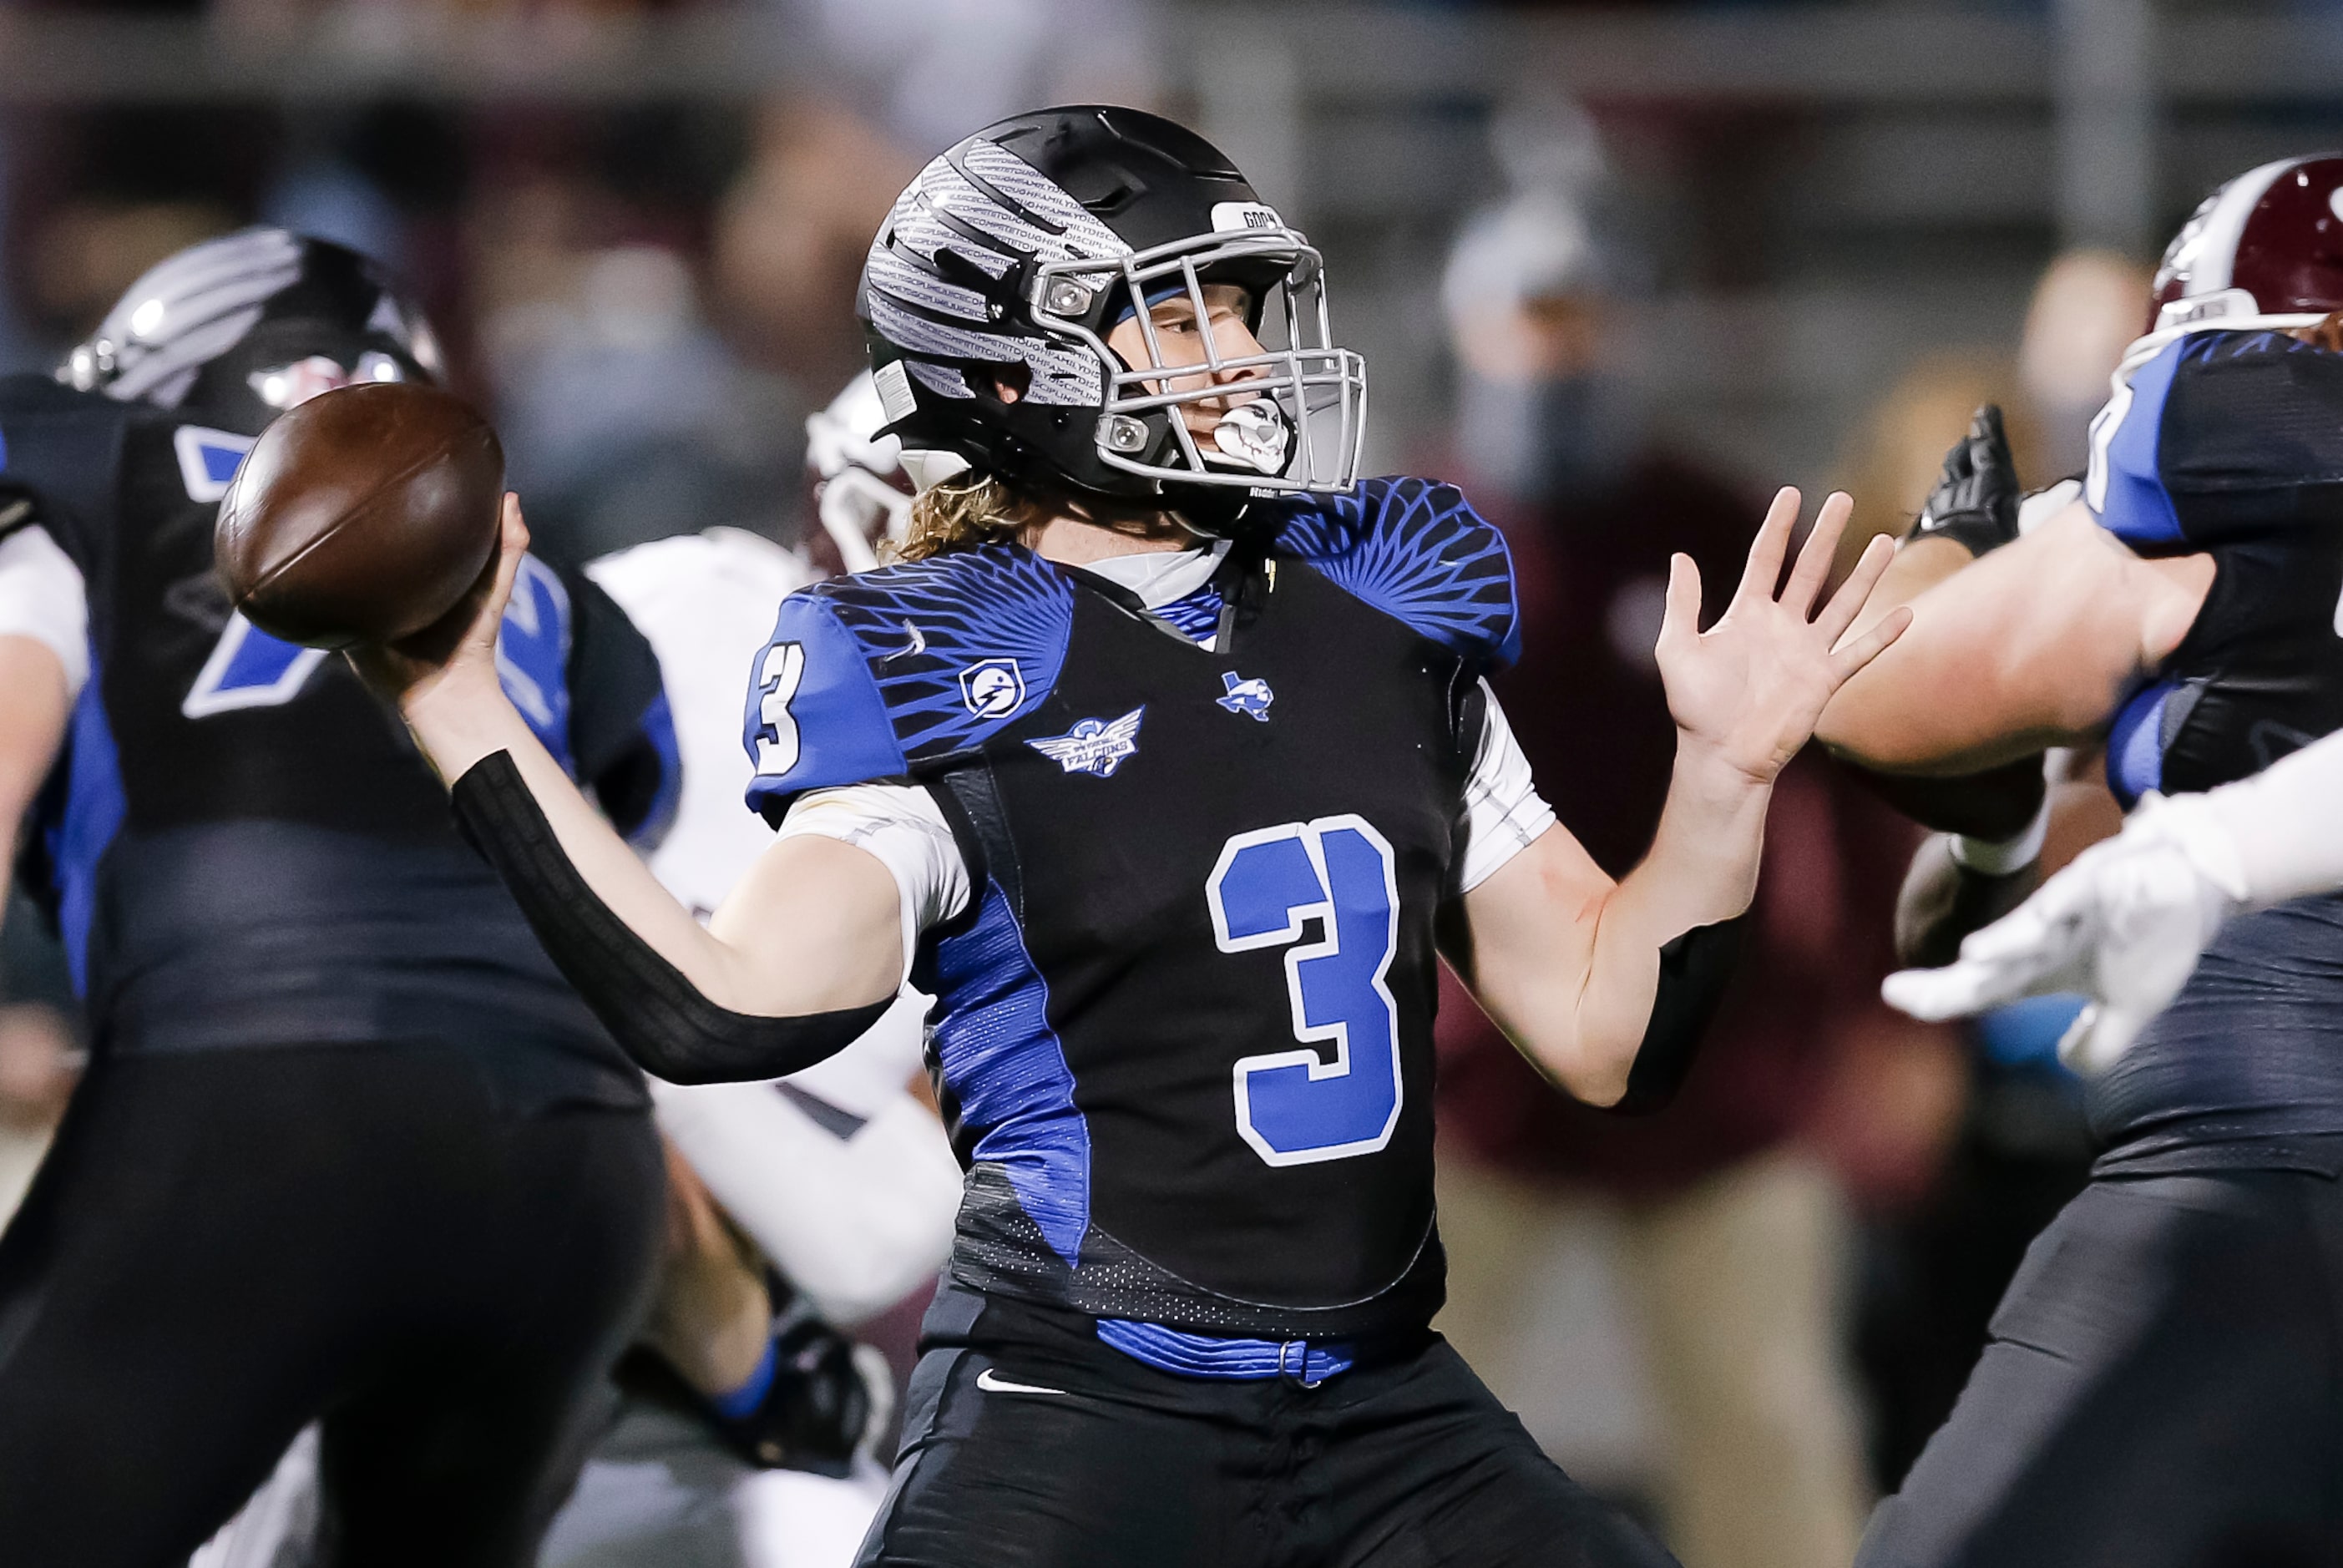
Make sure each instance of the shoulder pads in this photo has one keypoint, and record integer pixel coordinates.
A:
(2219, 435)
(29, 393)
(1416, 551)
(888, 672)
(61, 449)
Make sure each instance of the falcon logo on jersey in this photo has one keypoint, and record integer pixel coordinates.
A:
(208, 459)
(1095, 746)
(993, 688)
(1251, 697)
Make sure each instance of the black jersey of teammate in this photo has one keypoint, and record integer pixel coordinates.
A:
(2231, 443)
(243, 845)
(1184, 1033)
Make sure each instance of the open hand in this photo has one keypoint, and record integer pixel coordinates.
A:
(462, 643)
(1749, 690)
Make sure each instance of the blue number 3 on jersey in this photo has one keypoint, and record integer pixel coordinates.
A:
(1297, 1107)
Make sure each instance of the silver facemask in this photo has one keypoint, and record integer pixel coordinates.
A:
(1293, 416)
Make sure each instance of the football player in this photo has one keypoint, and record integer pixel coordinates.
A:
(2159, 1388)
(2127, 922)
(1165, 763)
(347, 1147)
(842, 1181)
(796, 1209)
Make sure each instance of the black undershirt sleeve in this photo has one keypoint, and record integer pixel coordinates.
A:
(656, 1014)
(1695, 969)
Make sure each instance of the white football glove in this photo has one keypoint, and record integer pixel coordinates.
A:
(2124, 925)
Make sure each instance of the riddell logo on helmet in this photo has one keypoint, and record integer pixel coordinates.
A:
(1237, 217)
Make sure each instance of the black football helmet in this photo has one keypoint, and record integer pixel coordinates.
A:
(242, 327)
(1013, 255)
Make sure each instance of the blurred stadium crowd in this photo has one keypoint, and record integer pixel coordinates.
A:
(1744, 1317)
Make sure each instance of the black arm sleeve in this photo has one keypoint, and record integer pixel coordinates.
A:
(655, 1013)
(1998, 803)
(1694, 971)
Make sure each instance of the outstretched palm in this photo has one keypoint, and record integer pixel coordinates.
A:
(1751, 688)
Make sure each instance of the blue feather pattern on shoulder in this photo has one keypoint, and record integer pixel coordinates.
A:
(1416, 551)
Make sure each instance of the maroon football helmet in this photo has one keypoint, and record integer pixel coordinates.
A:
(2264, 250)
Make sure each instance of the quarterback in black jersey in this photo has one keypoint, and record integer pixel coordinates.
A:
(348, 1147)
(1165, 763)
(2161, 1382)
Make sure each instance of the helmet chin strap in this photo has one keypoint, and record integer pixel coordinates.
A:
(1200, 511)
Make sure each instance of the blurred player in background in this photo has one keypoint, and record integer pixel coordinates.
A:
(1731, 1231)
(348, 1147)
(1934, 1266)
(1174, 694)
(2161, 1386)
(2127, 923)
(744, 1417)
(862, 497)
(803, 1206)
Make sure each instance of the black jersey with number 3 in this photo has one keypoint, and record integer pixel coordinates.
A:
(243, 845)
(1183, 1031)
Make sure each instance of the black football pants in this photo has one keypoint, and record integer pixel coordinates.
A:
(2163, 1389)
(1056, 1453)
(225, 1245)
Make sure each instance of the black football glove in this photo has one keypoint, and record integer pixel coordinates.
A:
(820, 1404)
(1975, 503)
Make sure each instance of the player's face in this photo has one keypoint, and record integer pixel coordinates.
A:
(1181, 339)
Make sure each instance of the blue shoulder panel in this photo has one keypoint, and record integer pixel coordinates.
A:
(814, 716)
(866, 677)
(1416, 551)
(2124, 483)
(533, 655)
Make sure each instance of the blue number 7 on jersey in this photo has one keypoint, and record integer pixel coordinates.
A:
(1296, 1107)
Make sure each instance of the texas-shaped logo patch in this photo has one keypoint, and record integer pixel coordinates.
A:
(1248, 696)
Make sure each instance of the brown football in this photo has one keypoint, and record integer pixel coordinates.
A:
(361, 516)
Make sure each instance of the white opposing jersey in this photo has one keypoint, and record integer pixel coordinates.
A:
(850, 1186)
(706, 602)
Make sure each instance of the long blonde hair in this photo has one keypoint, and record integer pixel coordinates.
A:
(960, 514)
(979, 509)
